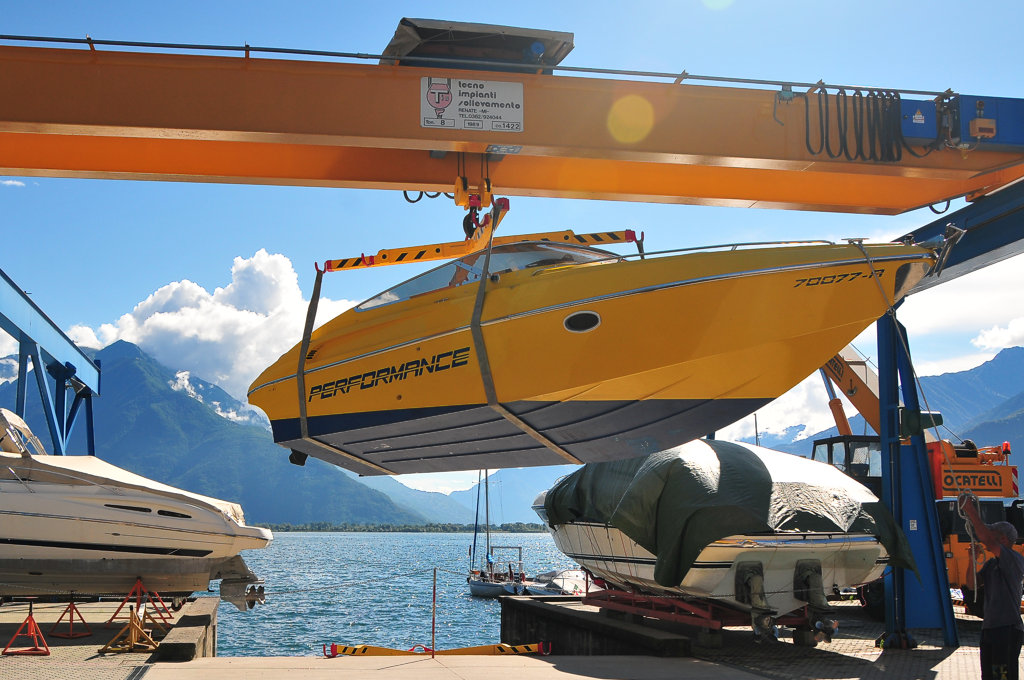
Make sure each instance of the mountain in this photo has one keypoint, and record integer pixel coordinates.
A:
(985, 404)
(437, 507)
(146, 423)
(512, 492)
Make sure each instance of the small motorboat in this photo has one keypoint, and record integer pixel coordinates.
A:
(79, 524)
(564, 582)
(545, 352)
(746, 527)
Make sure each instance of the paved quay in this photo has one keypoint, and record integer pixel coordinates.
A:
(851, 654)
(69, 659)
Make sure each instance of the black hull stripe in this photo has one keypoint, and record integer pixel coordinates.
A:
(141, 549)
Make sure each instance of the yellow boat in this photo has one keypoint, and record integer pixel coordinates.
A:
(541, 353)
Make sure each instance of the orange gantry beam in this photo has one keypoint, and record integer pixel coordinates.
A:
(189, 117)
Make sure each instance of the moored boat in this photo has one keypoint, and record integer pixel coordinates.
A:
(538, 353)
(497, 576)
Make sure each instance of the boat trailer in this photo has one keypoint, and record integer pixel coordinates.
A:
(811, 624)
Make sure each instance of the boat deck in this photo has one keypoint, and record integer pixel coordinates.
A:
(851, 654)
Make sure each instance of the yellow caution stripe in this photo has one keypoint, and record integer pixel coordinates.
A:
(500, 649)
(452, 250)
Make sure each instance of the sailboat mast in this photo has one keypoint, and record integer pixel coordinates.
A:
(487, 515)
(476, 524)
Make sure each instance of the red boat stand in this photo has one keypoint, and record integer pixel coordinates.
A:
(138, 592)
(71, 611)
(28, 629)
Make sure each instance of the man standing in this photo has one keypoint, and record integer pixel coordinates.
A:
(1002, 581)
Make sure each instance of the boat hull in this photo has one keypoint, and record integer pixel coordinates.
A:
(109, 576)
(478, 588)
(679, 347)
(846, 560)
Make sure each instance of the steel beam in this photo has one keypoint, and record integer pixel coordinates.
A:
(191, 117)
(992, 230)
(54, 357)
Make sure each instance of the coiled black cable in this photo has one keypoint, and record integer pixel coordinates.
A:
(876, 118)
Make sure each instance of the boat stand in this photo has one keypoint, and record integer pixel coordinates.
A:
(71, 611)
(29, 629)
(133, 636)
(138, 592)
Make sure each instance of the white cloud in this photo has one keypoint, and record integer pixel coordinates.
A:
(8, 345)
(11, 183)
(977, 300)
(998, 337)
(181, 383)
(227, 336)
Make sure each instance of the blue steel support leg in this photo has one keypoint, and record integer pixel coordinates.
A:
(90, 433)
(888, 402)
(49, 409)
(23, 357)
(932, 603)
(909, 493)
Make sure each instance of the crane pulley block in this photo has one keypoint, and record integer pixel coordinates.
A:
(482, 198)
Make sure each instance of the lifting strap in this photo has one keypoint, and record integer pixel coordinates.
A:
(484, 361)
(300, 382)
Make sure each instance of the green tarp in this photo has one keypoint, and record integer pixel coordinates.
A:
(676, 502)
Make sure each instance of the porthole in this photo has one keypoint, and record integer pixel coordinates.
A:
(133, 508)
(172, 513)
(581, 322)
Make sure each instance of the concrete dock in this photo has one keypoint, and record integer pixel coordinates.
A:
(851, 654)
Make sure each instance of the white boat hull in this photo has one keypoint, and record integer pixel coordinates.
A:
(478, 588)
(65, 527)
(846, 560)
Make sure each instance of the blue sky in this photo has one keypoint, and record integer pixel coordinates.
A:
(210, 278)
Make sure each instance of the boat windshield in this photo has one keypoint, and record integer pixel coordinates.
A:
(504, 258)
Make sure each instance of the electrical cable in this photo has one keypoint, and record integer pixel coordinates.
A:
(877, 125)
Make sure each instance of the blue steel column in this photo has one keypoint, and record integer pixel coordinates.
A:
(888, 403)
(910, 495)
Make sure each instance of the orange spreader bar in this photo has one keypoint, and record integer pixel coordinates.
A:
(448, 251)
(500, 649)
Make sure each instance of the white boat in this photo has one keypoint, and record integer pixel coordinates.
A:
(77, 523)
(494, 577)
(564, 582)
(497, 577)
(752, 529)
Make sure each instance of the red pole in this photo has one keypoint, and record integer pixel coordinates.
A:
(433, 619)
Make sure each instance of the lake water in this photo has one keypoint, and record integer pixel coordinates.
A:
(369, 588)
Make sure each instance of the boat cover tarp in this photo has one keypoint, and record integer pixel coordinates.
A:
(677, 502)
